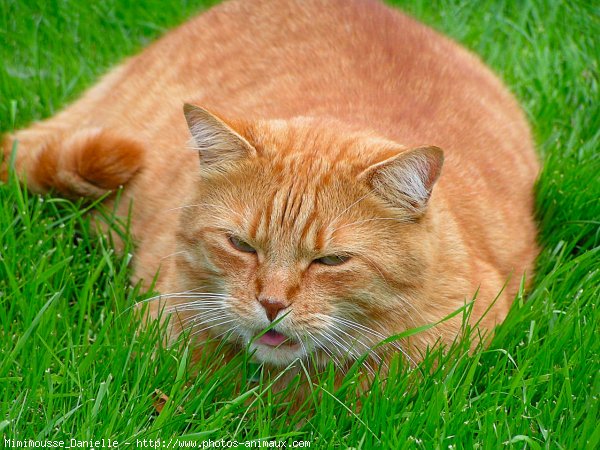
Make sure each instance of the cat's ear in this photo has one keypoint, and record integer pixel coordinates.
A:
(406, 179)
(217, 143)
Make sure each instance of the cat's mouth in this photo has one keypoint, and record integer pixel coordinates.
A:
(275, 339)
(276, 348)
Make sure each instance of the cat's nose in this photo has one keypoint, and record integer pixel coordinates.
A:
(272, 306)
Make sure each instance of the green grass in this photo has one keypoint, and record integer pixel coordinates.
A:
(72, 367)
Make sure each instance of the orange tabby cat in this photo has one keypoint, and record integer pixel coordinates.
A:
(318, 200)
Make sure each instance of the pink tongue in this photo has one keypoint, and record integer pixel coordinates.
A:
(272, 338)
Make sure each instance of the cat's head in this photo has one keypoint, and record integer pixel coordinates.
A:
(304, 224)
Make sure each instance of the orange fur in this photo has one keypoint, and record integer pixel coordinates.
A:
(82, 163)
(315, 146)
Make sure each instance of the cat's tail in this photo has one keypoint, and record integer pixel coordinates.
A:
(86, 162)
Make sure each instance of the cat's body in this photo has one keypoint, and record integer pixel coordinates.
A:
(343, 81)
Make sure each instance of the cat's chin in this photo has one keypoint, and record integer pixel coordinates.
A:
(280, 356)
(273, 347)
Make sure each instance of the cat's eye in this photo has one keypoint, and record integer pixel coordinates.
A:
(332, 260)
(241, 245)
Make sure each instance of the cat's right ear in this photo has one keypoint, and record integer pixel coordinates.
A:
(217, 143)
(406, 180)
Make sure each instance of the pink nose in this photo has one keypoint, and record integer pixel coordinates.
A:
(272, 306)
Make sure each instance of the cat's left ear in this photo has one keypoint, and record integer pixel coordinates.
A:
(217, 143)
(406, 179)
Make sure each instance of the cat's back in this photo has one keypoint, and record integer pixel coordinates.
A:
(356, 60)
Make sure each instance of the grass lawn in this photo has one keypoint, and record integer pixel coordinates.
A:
(71, 366)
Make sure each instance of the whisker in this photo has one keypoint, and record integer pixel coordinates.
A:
(200, 303)
(188, 293)
(353, 356)
(338, 341)
(201, 300)
(196, 309)
(376, 267)
(229, 330)
(201, 288)
(361, 329)
(195, 306)
(194, 295)
(173, 254)
(211, 326)
(204, 318)
(418, 313)
(371, 351)
(358, 327)
(352, 205)
(318, 345)
(330, 351)
(304, 349)
(197, 300)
